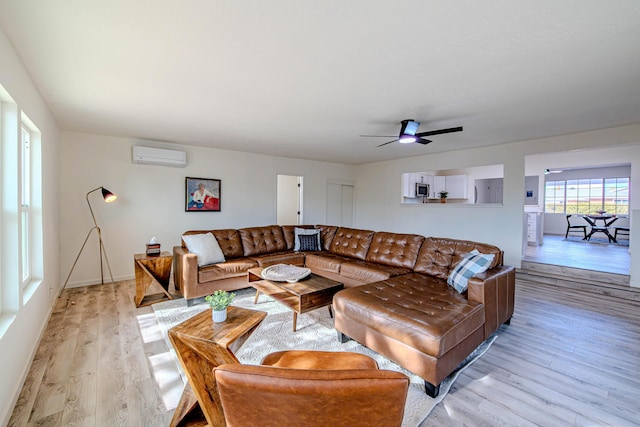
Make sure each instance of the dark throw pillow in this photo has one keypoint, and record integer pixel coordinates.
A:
(308, 242)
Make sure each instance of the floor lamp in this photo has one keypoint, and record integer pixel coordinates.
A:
(108, 198)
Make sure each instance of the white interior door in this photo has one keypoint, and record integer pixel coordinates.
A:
(340, 202)
(289, 200)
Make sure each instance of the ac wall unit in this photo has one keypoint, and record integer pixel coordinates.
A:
(159, 156)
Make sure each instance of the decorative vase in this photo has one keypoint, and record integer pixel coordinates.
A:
(219, 316)
(443, 200)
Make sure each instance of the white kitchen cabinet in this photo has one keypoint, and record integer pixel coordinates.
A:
(456, 186)
(439, 184)
(409, 185)
(534, 228)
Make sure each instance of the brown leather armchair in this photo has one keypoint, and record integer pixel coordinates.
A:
(311, 388)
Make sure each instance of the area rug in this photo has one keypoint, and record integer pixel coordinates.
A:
(315, 331)
(597, 240)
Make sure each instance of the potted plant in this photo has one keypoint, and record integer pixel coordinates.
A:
(443, 196)
(219, 301)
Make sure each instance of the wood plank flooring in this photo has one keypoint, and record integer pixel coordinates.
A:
(555, 250)
(568, 358)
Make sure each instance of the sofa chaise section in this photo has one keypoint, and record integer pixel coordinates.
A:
(422, 323)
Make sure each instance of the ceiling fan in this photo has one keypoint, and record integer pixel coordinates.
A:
(408, 133)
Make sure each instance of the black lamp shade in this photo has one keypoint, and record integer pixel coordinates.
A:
(108, 195)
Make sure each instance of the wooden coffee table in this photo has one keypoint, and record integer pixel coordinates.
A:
(308, 294)
(201, 345)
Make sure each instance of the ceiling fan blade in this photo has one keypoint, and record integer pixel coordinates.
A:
(378, 136)
(439, 132)
(423, 141)
(387, 143)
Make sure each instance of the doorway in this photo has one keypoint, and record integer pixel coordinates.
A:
(340, 204)
(289, 200)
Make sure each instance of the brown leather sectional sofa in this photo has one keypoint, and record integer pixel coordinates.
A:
(397, 301)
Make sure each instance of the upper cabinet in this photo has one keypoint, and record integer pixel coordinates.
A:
(456, 186)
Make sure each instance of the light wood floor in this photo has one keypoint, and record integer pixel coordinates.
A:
(608, 258)
(568, 358)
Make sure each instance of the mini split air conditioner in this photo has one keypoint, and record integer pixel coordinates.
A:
(159, 156)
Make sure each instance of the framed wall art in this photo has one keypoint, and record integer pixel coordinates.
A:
(202, 195)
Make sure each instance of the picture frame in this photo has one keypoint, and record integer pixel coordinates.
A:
(202, 195)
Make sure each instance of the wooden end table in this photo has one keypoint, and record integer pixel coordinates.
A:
(150, 270)
(201, 345)
(308, 294)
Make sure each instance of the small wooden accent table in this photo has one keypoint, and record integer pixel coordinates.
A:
(308, 294)
(150, 270)
(201, 345)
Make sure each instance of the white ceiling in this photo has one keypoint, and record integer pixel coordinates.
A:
(305, 78)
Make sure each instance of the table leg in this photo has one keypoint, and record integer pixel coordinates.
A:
(255, 301)
(295, 320)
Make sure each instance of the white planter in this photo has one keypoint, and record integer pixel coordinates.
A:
(219, 316)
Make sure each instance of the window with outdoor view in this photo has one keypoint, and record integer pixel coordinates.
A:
(586, 196)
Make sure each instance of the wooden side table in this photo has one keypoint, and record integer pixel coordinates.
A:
(150, 270)
(201, 345)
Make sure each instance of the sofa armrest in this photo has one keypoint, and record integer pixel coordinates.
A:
(185, 271)
(495, 289)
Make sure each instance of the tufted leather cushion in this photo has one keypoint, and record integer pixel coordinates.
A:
(417, 310)
(327, 233)
(398, 250)
(229, 241)
(351, 242)
(289, 234)
(439, 255)
(262, 240)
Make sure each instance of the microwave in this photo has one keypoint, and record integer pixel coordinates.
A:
(422, 190)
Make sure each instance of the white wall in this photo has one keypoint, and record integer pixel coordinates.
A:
(18, 343)
(378, 206)
(151, 198)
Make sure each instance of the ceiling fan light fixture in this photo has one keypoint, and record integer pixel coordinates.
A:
(407, 139)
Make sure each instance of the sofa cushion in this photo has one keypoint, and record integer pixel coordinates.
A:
(352, 243)
(310, 237)
(368, 272)
(288, 231)
(417, 310)
(225, 270)
(473, 263)
(327, 233)
(398, 250)
(262, 240)
(439, 255)
(325, 261)
(288, 257)
(230, 242)
(206, 248)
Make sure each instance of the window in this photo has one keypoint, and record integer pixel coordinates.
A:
(585, 196)
(25, 203)
(21, 221)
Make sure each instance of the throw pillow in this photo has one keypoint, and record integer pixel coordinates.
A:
(473, 263)
(306, 232)
(308, 242)
(205, 246)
